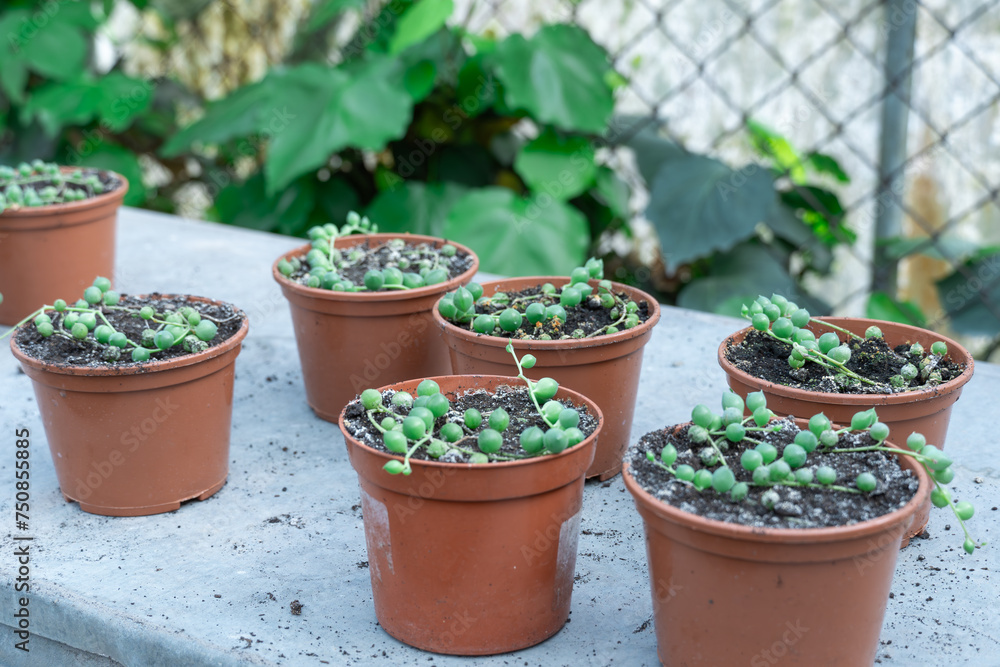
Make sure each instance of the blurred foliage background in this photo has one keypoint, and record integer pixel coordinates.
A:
(278, 115)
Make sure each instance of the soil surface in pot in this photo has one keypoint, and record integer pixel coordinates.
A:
(515, 400)
(588, 316)
(410, 258)
(765, 358)
(109, 182)
(798, 507)
(64, 351)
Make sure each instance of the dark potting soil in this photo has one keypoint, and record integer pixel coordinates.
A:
(589, 316)
(799, 507)
(382, 256)
(767, 359)
(71, 352)
(515, 400)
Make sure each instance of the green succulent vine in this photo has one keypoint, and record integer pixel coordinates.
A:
(17, 185)
(86, 322)
(785, 321)
(325, 264)
(770, 468)
(471, 433)
(549, 304)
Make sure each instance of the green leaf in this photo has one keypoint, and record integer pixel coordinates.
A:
(961, 299)
(652, 149)
(826, 164)
(881, 306)
(773, 145)
(561, 166)
(122, 99)
(240, 114)
(477, 87)
(419, 79)
(56, 104)
(247, 205)
(325, 11)
(612, 191)
(786, 225)
(55, 50)
(516, 236)
(419, 22)
(106, 155)
(737, 277)
(335, 110)
(699, 205)
(13, 78)
(557, 77)
(415, 207)
(334, 199)
(945, 247)
(814, 198)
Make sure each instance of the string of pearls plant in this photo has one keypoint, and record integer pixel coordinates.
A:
(790, 467)
(465, 305)
(470, 432)
(43, 183)
(784, 321)
(325, 264)
(86, 322)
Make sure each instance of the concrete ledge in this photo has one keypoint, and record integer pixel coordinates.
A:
(212, 583)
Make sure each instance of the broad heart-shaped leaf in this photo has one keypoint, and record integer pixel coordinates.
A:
(415, 207)
(560, 166)
(557, 77)
(56, 50)
(881, 306)
(122, 99)
(613, 191)
(737, 277)
(332, 109)
(324, 11)
(106, 155)
(243, 112)
(962, 301)
(652, 150)
(419, 22)
(699, 206)
(519, 237)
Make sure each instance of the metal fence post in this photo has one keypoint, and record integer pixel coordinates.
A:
(901, 21)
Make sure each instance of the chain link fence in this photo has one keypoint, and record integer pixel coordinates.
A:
(902, 93)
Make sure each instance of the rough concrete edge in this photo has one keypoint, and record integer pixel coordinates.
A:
(61, 616)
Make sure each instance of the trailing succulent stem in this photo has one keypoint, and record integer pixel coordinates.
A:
(464, 305)
(478, 436)
(770, 468)
(86, 322)
(18, 185)
(784, 321)
(324, 265)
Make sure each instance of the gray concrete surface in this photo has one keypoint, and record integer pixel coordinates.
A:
(211, 584)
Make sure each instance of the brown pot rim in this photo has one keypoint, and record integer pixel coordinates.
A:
(568, 393)
(146, 367)
(724, 529)
(376, 297)
(31, 214)
(634, 293)
(859, 400)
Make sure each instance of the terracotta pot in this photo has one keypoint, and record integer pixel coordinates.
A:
(473, 559)
(350, 341)
(926, 411)
(74, 242)
(605, 369)
(725, 594)
(138, 440)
